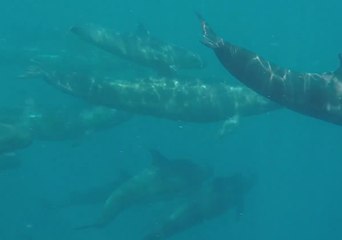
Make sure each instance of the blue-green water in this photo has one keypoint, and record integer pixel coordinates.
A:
(297, 159)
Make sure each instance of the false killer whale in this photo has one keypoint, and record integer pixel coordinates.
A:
(216, 198)
(140, 48)
(70, 122)
(165, 179)
(20, 126)
(175, 98)
(318, 95)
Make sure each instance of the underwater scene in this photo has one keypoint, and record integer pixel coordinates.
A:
(159, 119)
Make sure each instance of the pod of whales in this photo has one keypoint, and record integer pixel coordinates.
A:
(140, 48)
(176, 98)
(318, 95)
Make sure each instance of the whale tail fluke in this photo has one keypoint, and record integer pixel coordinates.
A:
(210, 39)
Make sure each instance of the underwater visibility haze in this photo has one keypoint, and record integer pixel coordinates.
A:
(118, 122)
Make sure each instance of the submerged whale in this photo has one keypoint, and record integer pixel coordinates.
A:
(219, 196)
(70, 122)
(172, 98)
(20, 126)
(57, 123)
(140, 48)
(165, 179)
(318, 95)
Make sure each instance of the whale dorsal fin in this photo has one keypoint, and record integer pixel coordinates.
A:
(158, 159)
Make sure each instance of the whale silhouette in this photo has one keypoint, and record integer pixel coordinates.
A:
(141, 48)
(165, 179)
(216, 198)
(318, 95)
(175, 98)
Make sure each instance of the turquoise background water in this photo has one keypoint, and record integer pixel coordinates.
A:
(297, 158)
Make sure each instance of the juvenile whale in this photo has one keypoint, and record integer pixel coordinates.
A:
(217, 197)
(318, 95)
(165, 179)
(140, 48)
(172, 98)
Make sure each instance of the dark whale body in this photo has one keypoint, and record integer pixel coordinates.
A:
(220, 195)
(318, 95)
(140, 48)
(165, 179)
(172, 98)
(21, 126)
